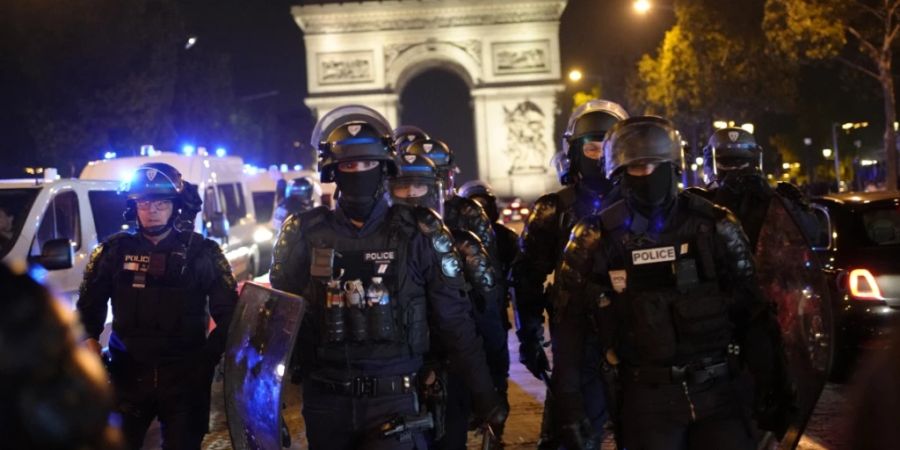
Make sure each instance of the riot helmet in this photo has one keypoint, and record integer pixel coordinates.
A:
(731, 150)
(483, 193)
(651, 146)
(303, 189)
(588, 125)
(355, 136)
(158, 182)
(416, 182)
(442, 156)
(405, 135)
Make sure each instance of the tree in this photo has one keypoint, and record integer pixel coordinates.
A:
(713, 64)
(861, 34)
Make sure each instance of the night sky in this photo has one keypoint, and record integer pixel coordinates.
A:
(603, 38)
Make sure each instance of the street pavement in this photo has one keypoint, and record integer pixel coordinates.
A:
(526, 396)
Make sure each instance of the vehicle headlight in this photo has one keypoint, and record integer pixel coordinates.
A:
(262, 234)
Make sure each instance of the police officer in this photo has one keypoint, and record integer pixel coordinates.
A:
(666, 280)
(416, 185)
(732, 162)
(461, 213)
(580, 170)
(377, 277)
(507, 239)
(405, 135)
(299, 197)
(162, 280)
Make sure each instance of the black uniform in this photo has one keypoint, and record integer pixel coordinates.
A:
(370, 370)
(476, 242)
(161, 359)
(673, 300)
(748, 196)
(666, 282)
(542, 242)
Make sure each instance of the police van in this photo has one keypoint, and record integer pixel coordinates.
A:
(55, 224)
(228, 216)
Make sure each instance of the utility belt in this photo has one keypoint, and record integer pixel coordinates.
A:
(368, 386)
(706, 370)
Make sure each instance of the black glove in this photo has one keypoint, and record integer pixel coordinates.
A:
(531, 353)
(490, 410)
(579, 435)
(775, 409)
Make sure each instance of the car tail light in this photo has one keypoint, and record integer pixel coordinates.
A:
(863, 285)
(524, 211)
(507, 211)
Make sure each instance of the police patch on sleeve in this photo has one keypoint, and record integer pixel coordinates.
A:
(653, 255)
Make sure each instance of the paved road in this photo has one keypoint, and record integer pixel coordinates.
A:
(526, 399)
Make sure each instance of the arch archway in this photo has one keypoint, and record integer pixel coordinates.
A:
(506, 53)
(444, 112)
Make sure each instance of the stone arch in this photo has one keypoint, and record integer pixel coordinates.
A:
(421, 57)
(506, 52)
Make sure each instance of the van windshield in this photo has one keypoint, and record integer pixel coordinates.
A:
(14, 207)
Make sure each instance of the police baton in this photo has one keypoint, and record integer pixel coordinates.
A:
(488, 439)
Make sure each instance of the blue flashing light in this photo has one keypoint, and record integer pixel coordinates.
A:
(188, 150)
(38, 273)
(127, 176)
(220, 152)
(298, 167)
(109, 155)
(284, 168)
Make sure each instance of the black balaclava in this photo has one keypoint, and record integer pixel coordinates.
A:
(359, 191)
(591, 171)
(650, 193)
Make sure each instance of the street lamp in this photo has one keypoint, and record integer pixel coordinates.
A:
(575, 75)
(826, 152)
(642, 6)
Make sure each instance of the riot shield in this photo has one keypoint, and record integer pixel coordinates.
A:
(259, 346)
(790, 276)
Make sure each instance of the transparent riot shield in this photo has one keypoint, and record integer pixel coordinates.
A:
(262, 333)
(790, 276)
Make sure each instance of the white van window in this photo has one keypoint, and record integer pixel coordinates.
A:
(263, 205)
(232, 200)
(60, 220)
(107, 207)
(15, 204)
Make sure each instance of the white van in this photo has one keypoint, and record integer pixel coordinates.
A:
(57, 223)
(228, 216)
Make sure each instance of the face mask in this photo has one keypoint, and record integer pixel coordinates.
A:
(650, 192)
(360, 191)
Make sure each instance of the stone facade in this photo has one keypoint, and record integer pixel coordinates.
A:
(506, 51)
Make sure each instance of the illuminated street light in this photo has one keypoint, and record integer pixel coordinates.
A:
(826, 152)
(575, 75)
(786, 166)
(719, 124)
(748, 127)
(642, 6)
(699, 160)
(190, 42)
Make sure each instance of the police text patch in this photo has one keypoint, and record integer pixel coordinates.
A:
(653, 255)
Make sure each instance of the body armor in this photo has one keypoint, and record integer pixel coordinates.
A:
(343, 269)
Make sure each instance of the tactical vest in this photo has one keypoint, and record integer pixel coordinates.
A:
(667, 303)
(156, 302)
(343, 268)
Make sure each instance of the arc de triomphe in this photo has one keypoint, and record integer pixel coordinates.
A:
(506, 51)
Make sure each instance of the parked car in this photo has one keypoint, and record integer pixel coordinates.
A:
(859, 246)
